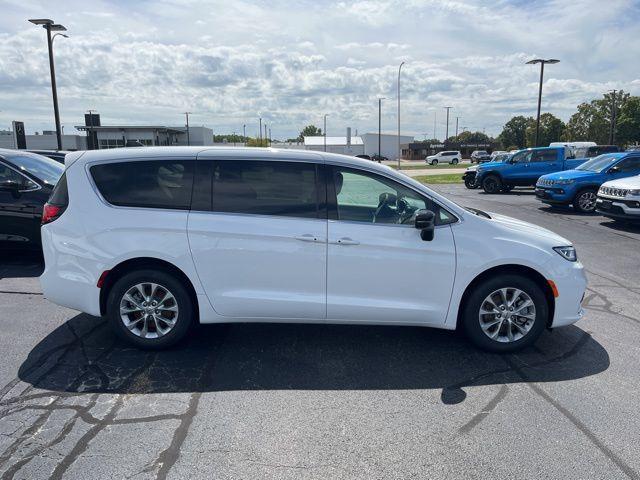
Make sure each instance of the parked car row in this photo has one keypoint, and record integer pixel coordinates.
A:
(608, 183)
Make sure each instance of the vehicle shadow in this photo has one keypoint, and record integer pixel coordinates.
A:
(20, 263)
(628, 227)
(518, 191)
(84, 356)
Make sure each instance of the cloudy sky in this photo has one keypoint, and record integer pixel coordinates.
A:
(229, 62)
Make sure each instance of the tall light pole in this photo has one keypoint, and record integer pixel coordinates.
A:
(435, 118)
(260, 144)
(325, 131)
(457, 118)
(446, 135)
(188, 134)
(93, 145)
(266, 139)
(542, 62)
(612, 131)
(50, 26)
(379, 125)
(244, 134)
(399, 148)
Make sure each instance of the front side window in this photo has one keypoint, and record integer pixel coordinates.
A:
(370, 198)
(629, 165)
(150, 184)
(523, 157)
(265, 188)
(44, 168)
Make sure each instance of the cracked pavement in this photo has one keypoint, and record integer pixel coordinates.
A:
(323, 401)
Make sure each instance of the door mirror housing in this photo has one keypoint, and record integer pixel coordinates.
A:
(614, 169)
(425, 222)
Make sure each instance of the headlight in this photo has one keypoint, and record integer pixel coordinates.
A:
(633, 192)
(568, 253)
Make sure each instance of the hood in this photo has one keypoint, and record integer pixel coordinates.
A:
(628, 183)
(529, 229)
(570, 175)
(472, 168)
(491, 165)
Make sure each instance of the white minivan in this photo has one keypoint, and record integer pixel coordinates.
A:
(156, 239)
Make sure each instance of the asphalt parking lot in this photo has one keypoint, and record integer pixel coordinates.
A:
(310, 401)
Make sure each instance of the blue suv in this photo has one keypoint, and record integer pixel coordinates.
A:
(580, 186)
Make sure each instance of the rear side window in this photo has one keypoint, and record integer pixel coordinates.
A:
(151, 184)
(60, 194)
(265, 188)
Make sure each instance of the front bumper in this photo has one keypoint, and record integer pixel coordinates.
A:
(614, 207)
(571, 282)
(552, 195)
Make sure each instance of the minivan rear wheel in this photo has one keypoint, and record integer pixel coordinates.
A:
(150, 308)
(505, 313)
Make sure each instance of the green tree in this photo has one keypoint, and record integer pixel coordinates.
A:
(628, 122)
(514, 132)
(551, 130)
(592, 121)
(309, 131)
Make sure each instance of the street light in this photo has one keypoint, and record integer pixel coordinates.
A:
(542, 62)
(399, 150)
(325, 131)
(379, 124)
(50, 26)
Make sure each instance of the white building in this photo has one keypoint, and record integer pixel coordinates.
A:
(388, 144)
(45, 142)
(344, 145)
(113, 136)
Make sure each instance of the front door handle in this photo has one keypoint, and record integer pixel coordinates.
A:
(346, 241)
(307, 237)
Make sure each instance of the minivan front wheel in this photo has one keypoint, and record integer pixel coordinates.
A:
(150, 309)
(505, 313)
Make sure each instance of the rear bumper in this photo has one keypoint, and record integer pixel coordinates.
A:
(66, 280)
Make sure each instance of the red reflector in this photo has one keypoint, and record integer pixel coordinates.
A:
(554, 289)
(50, 213)
(102, 278)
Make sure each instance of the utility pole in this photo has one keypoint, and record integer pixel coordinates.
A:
(435, 117)
(612, 131)
(260, 132)
(188, 133)
(457, 118)
(266, 139)
(325, 131)
(399, 147)
(269, 136)
(379, 126)
(446, 135)
(244, 134)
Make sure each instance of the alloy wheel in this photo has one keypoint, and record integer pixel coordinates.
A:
(149, 310)
(506, 315)
(587, 201)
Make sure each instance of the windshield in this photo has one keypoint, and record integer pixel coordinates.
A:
(598, 164)
(43, 168)
(501, 157)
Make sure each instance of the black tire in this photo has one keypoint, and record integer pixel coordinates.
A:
(470, 322)
(470, 183)
(492, 184)
(434, 162)
(185, 316)
(585, 200)
(454, 161)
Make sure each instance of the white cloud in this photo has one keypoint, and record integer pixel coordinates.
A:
(230, 62)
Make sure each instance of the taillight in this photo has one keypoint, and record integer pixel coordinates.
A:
(51, 212)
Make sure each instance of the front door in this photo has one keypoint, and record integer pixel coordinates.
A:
(379, 269)
(260, 244)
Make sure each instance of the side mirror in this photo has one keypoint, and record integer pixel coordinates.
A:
(425, 222)
(614, 169)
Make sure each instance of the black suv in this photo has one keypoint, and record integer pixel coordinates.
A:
(26, 181)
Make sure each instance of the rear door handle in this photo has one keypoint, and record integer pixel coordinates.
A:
(307, 237)
(346, 241)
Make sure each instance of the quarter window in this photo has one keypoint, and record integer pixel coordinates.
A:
(370, 198)
(265, 188)
(151, 184)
